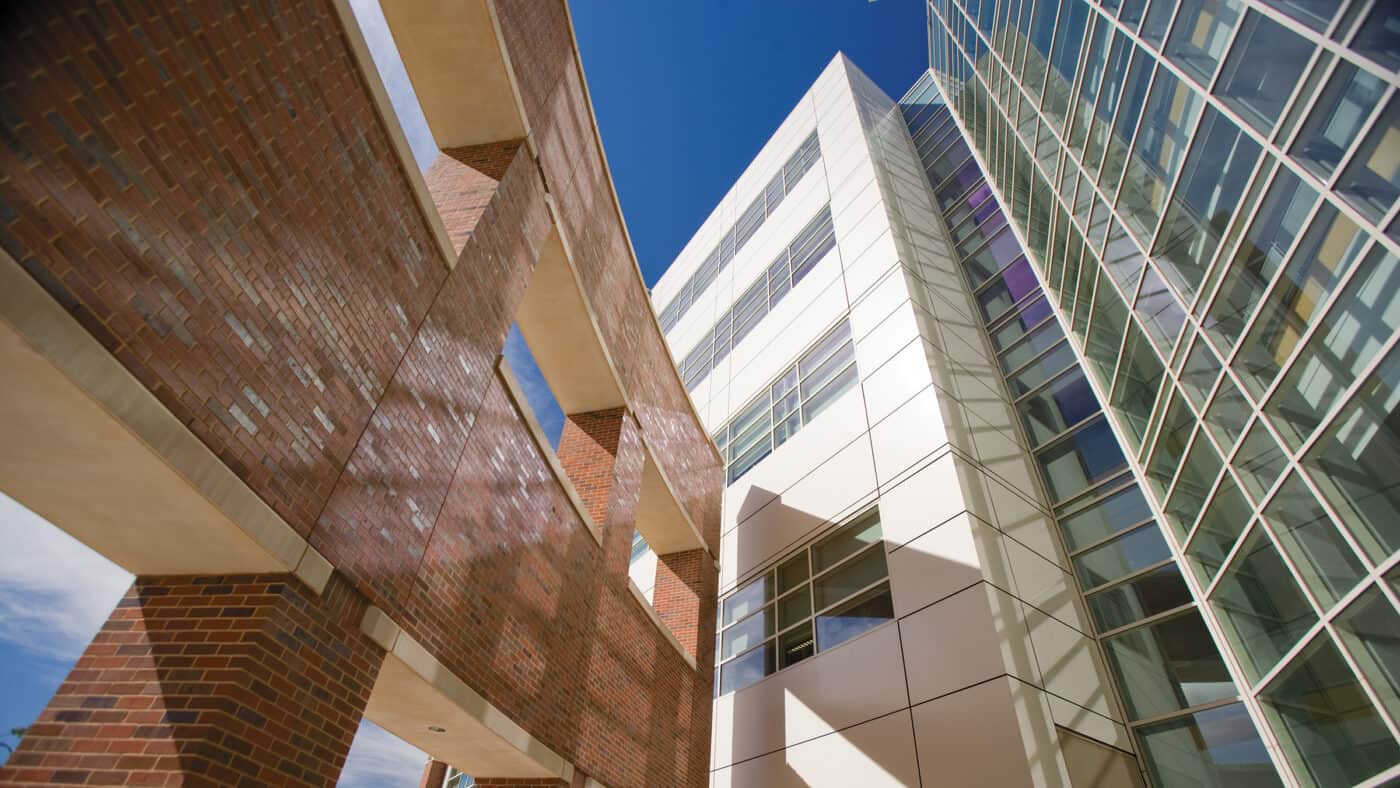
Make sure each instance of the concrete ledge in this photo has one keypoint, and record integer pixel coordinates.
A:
(90, 449)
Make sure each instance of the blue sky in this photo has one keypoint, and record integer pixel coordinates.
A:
(685, 94)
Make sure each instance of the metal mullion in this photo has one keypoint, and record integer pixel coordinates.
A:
(1006, 319)
(1226, 560)
(868, 548)
(1194, 527)
(1066, 432)
(1092, 496)
(1350, 154)
(1348, 394)
(1045, 385)
(1007, 376)
(1103, 540)
(1149, 620)
(1285, 142)
(1362, 679)
(1224, 254)
(1155, 236)
(816, 613)
(1186, 712)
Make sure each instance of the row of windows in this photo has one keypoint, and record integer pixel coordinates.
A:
(826, 594)
(749, 221)
(792, 265)
(824, 372)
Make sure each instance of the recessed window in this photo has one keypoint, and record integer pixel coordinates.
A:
(824, 372)
(1264, 66)
(832, 591)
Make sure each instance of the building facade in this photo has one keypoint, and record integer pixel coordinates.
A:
(254, 356)
(897, 605)
(1207, 194)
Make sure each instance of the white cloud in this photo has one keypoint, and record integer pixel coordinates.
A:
(379, 759)
(55, 592)
(391, 71)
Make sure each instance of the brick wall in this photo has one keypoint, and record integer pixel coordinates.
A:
(684, 581)
(588, 452)
(209, 681)
(209, 191)
(462, 182)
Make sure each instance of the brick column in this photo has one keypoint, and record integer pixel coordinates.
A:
(684, 581)
(434, 773)
(603, 456)
(225, 680)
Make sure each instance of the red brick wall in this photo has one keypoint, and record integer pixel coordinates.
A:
(195, 188)
(588, 453)
(210, 192)
(684, 581)
(462, 181)
(209, 681)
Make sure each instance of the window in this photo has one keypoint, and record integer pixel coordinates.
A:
(832, 591)
(1372, 181)
(1213, 747)
(1264, 66)
(1081, 459)
(1350, 96)
(1328, 727)
(1168, 665)
(1263, 611)
(1200, 34)
(753, 217)
(805, 251)
(824, 372)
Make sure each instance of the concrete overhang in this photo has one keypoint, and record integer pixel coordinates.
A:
(459, 70)
(661, 518)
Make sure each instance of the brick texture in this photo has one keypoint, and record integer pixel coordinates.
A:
(684, 581)
(201, 681)
(588, 451)
(462, 182)
(209, 190)
(434, 773)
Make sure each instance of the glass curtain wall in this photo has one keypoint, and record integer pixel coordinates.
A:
(1169, 672)
(1209, 192)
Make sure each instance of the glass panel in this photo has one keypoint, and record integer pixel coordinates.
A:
(1259, 461)
(1264, 66)
(1207, 195)
(1032, 314)
(795, 646)
(747, 633)
(1039, 340)
(1154, 29)
(1146, 595)
(1370, 630)
(747, 669)
(1228, 413)
(1350, 336)
(1261, 609)
(1326, 252)
(794, 607)
(1221, 524)
(847, 541)
(1015, 283)
(1163, 136)
(1107, 323)
(1310, 538)
(1200, 34)
(1176, 429)
(746, 600)
(1215, 747)
(1353, 462)
(1260, 254)
(838, 386)
(855, 617)
(1159, 310)
(1135, 390)
(1372, 181)
(1313, 13)
(792, 573)
(1168, 665)
(1328, 728)
(1081, 460)
(1199, 373)
(1057, 407)
(850, 577)
(1193, 483)
(1379, 37)
(1124, 555)
(1108, 516)
(1336, 119)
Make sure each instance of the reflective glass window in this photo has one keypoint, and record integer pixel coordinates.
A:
(1371, 181)
(1199, 35)
(1135, 388)
(1128, 553)
(1337, 117)
(1370, 630)
(1014, 283)
(1193, 482)
(1148, 594)
(1216, 172)
(1354, 462)
(1113, 513)
(1313, 13)
(1217, 746)
(1263, 611)
(849, 619)
(1309, 537)
(1327, 725)
(1329, 248)
(1168, 665)
(1082, 459)
(1165, 132)
(1058, 406)
(1264, 66)
(1222, 522)
(1379, 36)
